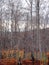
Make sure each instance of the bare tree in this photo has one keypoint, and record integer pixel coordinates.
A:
(1, 28)
(15, 17)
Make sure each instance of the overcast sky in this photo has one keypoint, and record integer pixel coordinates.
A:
(44, 8)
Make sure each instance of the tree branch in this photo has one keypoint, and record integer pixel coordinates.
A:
(27, 3)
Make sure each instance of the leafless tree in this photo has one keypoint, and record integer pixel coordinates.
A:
(15, 17)
(1, 28)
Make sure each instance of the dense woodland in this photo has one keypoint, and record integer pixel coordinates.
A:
(22, 40)
(35, 18)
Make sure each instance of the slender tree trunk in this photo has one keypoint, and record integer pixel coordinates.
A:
(1, 29)
(38, 29)
(31, 14)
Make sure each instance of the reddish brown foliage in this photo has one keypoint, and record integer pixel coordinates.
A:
(24, 62)
(8, 62)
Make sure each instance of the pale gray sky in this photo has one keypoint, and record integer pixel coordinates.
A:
(44, 8)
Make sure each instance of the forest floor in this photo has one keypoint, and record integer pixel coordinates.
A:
(24, 62)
